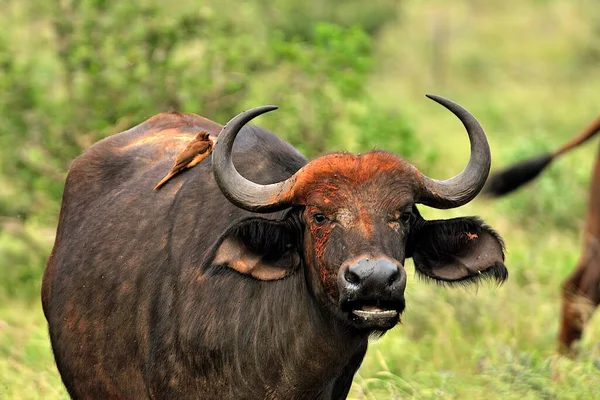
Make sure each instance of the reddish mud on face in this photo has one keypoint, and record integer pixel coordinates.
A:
(352, 208)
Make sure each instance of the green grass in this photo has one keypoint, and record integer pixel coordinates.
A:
(527, 70)
(27, 369)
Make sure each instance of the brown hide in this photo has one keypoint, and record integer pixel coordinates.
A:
(168, 133)
(581, 289)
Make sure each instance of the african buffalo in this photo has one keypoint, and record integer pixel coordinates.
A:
(261, 286)
(581, 289)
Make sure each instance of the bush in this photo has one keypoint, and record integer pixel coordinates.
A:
(107, 66)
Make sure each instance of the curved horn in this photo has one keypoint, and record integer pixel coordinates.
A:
(239, 190)
(462, 188)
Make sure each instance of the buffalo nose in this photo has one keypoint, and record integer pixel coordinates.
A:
(379, 273)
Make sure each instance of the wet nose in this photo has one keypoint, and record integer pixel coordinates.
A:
(375, 274)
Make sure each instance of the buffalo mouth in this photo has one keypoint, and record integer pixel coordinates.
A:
(374, 311)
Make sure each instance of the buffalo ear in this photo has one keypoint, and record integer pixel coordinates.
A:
(458, 250)
(264, 249)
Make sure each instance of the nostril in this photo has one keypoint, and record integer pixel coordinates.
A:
(352, 277)
(394, 277)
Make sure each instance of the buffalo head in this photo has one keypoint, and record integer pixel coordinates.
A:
(353, 221)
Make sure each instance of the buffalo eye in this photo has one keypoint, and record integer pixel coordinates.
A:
(319, 218)
(406, 217)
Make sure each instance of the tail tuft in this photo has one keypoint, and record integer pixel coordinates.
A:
(513, 177)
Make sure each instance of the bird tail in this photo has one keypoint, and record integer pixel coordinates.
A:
(511, 178)
(163, 180)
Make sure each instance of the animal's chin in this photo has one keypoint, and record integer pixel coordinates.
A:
(370, 314)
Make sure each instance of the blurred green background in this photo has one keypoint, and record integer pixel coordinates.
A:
(346, 75)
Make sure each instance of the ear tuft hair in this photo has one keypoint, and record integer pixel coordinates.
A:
(497, 273)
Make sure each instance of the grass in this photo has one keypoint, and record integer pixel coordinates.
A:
(27, 369)
(520, 67)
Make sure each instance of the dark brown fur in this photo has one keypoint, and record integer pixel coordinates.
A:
(138, 307)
